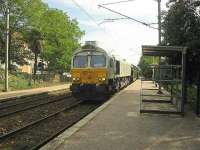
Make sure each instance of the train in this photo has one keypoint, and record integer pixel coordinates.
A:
(96, 73)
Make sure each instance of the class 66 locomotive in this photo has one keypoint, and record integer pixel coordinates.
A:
(95, 73)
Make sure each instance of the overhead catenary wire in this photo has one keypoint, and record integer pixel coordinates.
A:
(113, 19)
(89, 16)
(86, 13)
(117, 2)
(128, 17)
(92, 19)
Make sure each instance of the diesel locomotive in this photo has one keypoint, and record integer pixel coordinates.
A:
(94, 72)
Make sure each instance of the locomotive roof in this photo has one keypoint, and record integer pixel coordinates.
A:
(97, 49)
(90, 48)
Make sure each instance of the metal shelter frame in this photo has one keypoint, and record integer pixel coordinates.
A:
(175, 81)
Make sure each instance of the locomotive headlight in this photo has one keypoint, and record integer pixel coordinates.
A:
(103, 79)
(76, 79)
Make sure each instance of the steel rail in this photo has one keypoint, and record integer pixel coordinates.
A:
(9, 134)
(23, 97)
(46, 140)
(23, 101)
(16, 98)
(33, 106)
(26, 100)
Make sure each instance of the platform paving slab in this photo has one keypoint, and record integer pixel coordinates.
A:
(120, 126)
(27, 92)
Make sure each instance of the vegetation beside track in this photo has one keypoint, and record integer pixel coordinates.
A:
(20, 81)
(41, 42)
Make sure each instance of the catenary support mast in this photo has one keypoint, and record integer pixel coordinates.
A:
(7, 44)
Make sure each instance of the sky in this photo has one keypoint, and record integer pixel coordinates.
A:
(122, 38)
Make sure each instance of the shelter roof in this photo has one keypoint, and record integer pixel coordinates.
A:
(150, 50)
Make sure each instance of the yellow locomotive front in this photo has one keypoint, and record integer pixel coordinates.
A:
(89, 72)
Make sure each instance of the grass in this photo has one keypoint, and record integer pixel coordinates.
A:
(191, 94)
(20, 81)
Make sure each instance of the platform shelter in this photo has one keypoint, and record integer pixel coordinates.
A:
(169, 73)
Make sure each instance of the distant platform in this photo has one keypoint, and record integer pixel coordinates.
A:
(20, 93)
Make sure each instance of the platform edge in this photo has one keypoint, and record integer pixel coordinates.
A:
(56, 142)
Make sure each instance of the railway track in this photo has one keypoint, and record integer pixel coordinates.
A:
(39, 132)
(7, 110)
(26, 116)
(36, 122)
(28, 98)
(14, 106)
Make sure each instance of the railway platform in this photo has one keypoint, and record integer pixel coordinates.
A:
(20, 93)
(118, 125)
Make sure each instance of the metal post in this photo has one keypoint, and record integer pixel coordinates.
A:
(171, 92)
(172, 77)
(198, 100)
(159, 41)
(35, 65)
(198, 96)
(183, 90)
(153, 74)
(159, 21)
(7, 46)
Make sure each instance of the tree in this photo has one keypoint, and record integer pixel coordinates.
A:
(144, 65)
(34, 25)
(18, 52)
(181, 27)
(181, 24)
(61, 37)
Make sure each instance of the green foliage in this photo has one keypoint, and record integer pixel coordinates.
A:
(59, 39)
(48, 32)
(181, 25)
(144, 65)
(19, 81)
(17, 52)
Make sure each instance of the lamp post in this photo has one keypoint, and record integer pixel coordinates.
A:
(159, 21)
(159, 42)
(7, 44)
(6, 10)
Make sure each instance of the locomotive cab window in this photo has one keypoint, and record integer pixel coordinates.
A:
(80, 61)
(98, 61)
